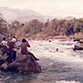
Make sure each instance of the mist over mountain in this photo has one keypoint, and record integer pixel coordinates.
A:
(22, 15)
(25, 15)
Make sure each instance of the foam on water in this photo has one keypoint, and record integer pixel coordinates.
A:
(63, 81)
(47, 49)
(64, 66)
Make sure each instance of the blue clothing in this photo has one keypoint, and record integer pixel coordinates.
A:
(12, 54)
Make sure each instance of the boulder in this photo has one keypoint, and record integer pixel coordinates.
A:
(78, 46)
(23, 63)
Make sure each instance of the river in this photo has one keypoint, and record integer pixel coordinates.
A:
(64, 66)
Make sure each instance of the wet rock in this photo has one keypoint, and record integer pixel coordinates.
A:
(78, 39)
(78, 47)
(24, 63)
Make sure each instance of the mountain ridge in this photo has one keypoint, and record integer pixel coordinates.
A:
(25, 15)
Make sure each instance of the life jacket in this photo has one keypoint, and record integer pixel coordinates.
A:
(8, 47)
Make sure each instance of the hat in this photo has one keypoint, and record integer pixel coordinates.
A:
(13, 40)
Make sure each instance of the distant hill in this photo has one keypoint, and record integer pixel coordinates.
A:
(69, 17)
(26, 15)
(22, 15)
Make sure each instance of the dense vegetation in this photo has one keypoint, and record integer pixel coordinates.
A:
(35, 28)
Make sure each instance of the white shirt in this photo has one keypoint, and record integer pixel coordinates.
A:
(4, 43)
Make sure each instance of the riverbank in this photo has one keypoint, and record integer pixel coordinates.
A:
(75, 36)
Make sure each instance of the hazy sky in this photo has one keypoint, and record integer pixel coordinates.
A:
(57, 8)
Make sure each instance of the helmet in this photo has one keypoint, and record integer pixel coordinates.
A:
(13, 40)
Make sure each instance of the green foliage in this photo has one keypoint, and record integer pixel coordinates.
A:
(35, 28)
(14, 25)
(3, 26)
(69, 27)
(78, 25)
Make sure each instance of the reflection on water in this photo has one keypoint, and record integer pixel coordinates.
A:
(66, 67)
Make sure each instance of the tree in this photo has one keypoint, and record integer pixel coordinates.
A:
(34, 27)
(3, 26)
(14, 25)
(68, 27)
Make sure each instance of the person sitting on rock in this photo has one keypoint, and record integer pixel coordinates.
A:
(12, 53)
(24, 49)
(4, 46)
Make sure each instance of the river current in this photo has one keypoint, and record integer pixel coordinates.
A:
(64, 66)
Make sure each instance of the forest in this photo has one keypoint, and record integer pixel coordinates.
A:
(38, 29)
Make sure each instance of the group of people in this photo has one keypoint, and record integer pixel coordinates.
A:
(11, 51)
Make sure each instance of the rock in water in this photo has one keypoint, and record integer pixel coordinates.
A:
(79, 45)
(24, 63)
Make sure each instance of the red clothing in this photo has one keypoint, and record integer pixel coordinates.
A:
(24, 49)
(10, 45)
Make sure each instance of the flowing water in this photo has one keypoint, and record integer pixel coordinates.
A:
(64, 66)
